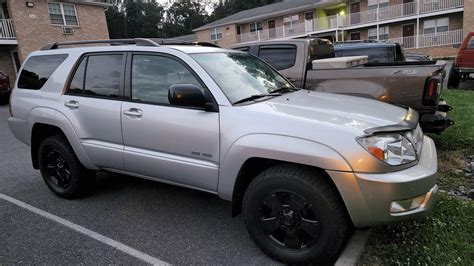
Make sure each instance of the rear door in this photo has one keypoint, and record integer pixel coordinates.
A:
(92, 103)
(176, 144)
(285, 59)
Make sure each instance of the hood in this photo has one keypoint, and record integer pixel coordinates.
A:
(348, 112)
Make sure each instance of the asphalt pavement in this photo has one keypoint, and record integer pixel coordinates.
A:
(172, 224)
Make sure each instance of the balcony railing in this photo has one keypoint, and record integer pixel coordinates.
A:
(430, 40)
(6, 29)
(402, 10)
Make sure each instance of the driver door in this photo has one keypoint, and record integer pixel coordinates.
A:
(175, 144)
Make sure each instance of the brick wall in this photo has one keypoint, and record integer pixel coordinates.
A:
(468, 20)
(33, 26)
(229, 34)
(438, 51)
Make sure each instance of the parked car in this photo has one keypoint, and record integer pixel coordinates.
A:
(415, 57)
(378, 52)
(463, 65)
(302, 166)
(4, 87)
(414, 84)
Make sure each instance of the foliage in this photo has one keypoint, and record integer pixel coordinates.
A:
(234, 6)
(183, 17)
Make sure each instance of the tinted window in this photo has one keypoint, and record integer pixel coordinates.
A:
(103, 75)
(153, 75)
(38, 69)
(77, 83)
(470, 44)
(375, 54)
(278, 56)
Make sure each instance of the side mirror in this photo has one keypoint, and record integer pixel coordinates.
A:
(456, 45)
(187, 95)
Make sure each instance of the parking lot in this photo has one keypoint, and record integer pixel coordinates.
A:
(165, 223)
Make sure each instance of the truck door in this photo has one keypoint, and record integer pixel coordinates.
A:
(466, 53)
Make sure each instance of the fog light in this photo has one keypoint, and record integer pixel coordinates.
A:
(406, 205)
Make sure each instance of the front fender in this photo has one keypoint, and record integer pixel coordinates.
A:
(275, 147)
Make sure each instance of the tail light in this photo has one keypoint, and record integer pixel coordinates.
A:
(432, 89)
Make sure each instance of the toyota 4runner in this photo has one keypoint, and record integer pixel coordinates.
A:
(302, 166)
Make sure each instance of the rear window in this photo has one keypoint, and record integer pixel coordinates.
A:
(279, 56)
(376, 55)
(38, 69)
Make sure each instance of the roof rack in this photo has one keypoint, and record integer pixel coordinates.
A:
(136, 41)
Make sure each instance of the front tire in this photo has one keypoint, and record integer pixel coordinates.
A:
(62, 171)
(294, 216)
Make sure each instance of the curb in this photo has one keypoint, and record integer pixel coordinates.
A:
(351, 253)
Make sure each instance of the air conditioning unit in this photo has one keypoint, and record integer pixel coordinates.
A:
(67, 30)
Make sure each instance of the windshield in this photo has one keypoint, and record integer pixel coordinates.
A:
(240, 75)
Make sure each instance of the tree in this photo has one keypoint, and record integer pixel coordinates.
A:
(183, 17)
(222, 10)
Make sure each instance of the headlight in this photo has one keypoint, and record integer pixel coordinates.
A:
(393, 149)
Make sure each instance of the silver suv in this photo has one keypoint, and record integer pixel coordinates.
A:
(303, 167)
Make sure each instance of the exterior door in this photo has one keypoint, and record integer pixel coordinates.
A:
(271, 29)
(92, 104)
(408, 33)
(355, 36)
(409, 7)
(309, 21)
(355, 15)
(175, 144)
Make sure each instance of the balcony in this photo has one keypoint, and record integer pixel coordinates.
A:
(6, 30)
(402, 10)
(430, 40)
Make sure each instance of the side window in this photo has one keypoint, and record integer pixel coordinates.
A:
(103, 75)
(38, 69)
(470, 44)
(279, 56)
(77, 83)
(153, 75)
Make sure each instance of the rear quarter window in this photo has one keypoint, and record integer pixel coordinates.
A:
(278, 56)
(38, 69)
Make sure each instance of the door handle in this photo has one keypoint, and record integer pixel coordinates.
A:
(72, 104)
(133, 112)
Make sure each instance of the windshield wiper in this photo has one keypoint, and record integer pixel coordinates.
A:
(284, 89)
(257, 96)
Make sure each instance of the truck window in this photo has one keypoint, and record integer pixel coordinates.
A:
(470, 44)
(38, 69)
(76, 86)
(103, 74)
(279, 56)
(375, 54)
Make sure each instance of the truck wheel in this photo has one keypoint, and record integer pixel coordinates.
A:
(61, 170)
(453, 79)
(294, 216)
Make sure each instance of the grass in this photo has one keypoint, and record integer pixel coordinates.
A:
(446, 236)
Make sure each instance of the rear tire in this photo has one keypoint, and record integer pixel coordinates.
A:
(62, 171)
(294, 216)
(453, 79)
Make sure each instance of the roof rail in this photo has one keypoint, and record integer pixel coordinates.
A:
(136, 41)
(361, 41)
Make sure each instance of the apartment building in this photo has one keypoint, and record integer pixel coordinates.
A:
(429, 26)
(28, 25)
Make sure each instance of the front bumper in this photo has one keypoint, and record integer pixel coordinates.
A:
(369, 197)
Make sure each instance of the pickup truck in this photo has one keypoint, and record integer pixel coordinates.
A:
(463, 66)
(413, 84)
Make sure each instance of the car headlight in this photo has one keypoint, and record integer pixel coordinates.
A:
(394, 149)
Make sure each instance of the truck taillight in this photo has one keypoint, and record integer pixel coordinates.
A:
(432, 88)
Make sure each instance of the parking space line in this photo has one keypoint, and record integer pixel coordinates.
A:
(101, 238)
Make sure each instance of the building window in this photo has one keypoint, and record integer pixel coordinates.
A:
(381, 4)
(255, 26)
(435, 25)
(291, 21)
(63, 14)
(383, 33)
(216, 34)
